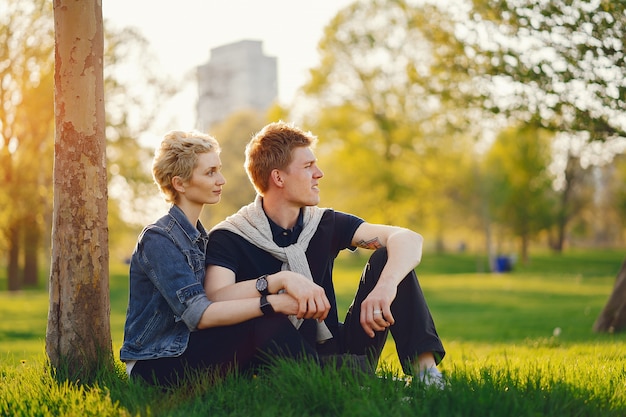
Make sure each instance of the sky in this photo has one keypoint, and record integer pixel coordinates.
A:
(183, 32)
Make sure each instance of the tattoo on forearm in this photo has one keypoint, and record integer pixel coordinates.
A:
(370, 244)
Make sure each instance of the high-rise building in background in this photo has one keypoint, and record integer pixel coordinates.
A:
(237, 76)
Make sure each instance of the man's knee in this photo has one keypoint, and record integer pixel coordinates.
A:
(377, 260)
(374, 267)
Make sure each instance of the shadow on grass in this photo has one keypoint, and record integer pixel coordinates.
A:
(289, 389)
(305, 389)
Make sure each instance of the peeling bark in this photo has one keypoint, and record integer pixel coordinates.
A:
(612, 319)
(79, 336)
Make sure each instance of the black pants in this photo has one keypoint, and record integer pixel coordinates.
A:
(413, 331)
(244, 347)
(250, 345)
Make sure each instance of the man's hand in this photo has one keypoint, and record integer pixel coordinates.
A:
(311, 298)
(376, 309)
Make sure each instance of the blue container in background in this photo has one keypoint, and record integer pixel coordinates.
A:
(503, 264)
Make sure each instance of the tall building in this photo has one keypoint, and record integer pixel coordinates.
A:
(237, 76)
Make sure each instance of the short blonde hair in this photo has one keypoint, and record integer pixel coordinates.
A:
(272, 148)
(177, 156)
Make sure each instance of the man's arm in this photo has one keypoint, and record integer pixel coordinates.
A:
(220, 285)
(404, 253)
(404, 247)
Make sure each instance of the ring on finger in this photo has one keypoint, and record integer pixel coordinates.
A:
(377, 312)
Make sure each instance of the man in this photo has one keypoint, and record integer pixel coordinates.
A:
(284, 243)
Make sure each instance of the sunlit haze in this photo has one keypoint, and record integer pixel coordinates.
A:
(182, 34)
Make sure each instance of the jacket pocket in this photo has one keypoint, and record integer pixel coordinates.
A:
(151, 328)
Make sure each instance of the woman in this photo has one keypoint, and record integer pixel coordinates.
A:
(172, 328)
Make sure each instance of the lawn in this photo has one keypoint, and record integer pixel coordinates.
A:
(517, 344)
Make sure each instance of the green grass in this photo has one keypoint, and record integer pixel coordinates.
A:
(504, 356)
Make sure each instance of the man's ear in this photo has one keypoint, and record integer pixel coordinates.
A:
(178, 184)
(276, 178)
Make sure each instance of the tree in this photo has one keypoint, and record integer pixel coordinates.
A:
(26, 131)
(556, 65)
(78, 336)
(519, 184)
(35, 128)
(389, 132)
(616, 189)
(134, 90)
(560, 65)
(613, 316)
(572, 193)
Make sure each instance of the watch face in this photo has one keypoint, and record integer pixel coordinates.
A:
(261, 284)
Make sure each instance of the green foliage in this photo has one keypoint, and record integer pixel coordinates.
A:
(26, 132)
(388, 112)
(133, 89)
(233, 135)
(558, 65)
(405, 89)
(563, 60)
(519, 187)
(616, 194)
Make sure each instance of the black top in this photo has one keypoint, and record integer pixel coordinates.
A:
(247, 261)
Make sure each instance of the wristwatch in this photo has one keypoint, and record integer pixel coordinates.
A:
(262, 285)
(266, 307)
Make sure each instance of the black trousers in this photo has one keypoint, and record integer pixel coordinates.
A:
(244, 347)
(414, 330)
(251, 345)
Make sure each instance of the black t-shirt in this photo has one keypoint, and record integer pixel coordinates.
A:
(247, 261)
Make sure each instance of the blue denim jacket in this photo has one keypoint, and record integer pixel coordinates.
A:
(167, 297)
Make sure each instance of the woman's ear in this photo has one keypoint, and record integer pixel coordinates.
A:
(178, 184)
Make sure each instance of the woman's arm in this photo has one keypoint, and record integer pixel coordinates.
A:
(224, 313)
(220, 285)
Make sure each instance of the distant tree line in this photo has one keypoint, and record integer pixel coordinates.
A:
(494, 124)
(489, 122)
(133, 88)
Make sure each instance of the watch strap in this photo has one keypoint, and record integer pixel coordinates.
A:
(266, 307)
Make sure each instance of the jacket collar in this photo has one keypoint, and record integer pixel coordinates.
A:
(194, 232)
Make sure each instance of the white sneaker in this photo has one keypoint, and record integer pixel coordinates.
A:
(432, 377)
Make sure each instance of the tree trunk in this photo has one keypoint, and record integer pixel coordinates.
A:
(565, 207)
(524, 248)
(78, 337)
(560, 240)
(613, 316)
(32, 238)
(13, 268)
